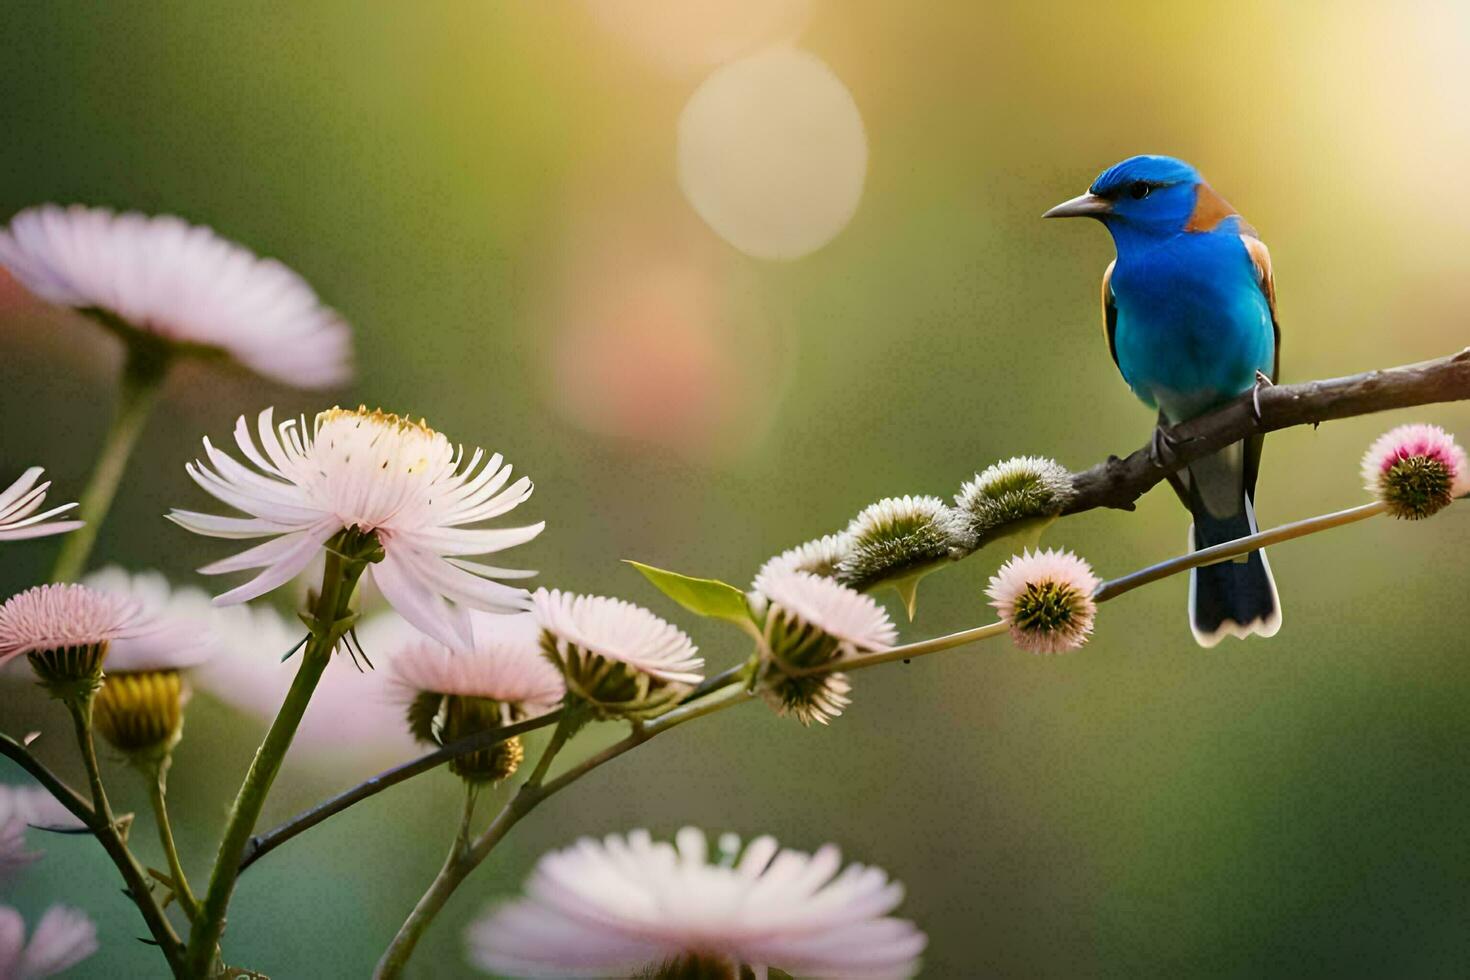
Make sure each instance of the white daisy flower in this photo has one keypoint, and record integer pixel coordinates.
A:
(620, 658)
(501, 678)
(819, 557)
(376, 473)
(62, 939)
(811, 621)
(854, 620)
(353, 726)
(622, 905)
(504, 664)
(183, 283)
(19, 503)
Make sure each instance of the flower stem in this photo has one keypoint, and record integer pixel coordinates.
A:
(526, 799)
(158, 796)
(144, 369)
(331, 618)
(1230, 549)
(104, 826)
(466, 856)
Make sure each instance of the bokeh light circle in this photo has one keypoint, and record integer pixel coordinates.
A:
(772, 153)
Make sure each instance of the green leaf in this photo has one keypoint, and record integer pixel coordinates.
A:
(702, 596)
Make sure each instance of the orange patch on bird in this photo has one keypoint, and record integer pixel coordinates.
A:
(1209, 209)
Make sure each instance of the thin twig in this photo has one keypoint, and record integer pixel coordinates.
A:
(54, 784)
(262, 844)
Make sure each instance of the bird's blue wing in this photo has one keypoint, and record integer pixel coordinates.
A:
(1260, 257)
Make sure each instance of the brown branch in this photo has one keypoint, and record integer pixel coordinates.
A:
(1119, 482)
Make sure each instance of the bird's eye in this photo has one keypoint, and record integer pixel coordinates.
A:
(1138, 190)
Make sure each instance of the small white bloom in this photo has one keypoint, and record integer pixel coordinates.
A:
(182, 622)
(19, 503)
(619, 630)
(1046, 598)
(819, 557)
(811, 621)
(503, 664)
(183, 283)
(374, 472)
(853, 619)
(616, 906)
(62, 939)
(619, 657)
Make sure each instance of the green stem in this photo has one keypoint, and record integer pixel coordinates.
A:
(464, 857)
(144, 370)
(158, 796)
(330, 620)
(104, 826)
(531, 793)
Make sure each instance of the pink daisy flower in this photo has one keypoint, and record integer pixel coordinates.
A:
(57, 617)
(503, 664)
(19, 503)
(619, 906)
(1416, 470)
(165, 277)
(62, 939)
(1046, 597)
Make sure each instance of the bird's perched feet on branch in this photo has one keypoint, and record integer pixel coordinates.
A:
(1261, 382)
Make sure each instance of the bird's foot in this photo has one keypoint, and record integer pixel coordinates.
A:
(1261, 382)
(1161, 448)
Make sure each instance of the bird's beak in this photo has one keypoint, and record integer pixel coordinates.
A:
(1085, 206)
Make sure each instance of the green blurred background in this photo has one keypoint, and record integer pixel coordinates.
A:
(482, 189)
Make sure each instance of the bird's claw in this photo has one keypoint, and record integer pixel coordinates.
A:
(1261, 382)
(1161, 448)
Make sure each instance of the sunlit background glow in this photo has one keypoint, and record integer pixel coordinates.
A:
(716, 275)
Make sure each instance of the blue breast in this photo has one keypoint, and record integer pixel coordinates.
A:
(1193, 325)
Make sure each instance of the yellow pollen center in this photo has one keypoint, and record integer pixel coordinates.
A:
(377, 416)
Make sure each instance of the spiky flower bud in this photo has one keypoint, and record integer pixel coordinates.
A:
(899, 538)
(1046, 597)
(810, 622)
(1417, 470)
(141, 713)
(1013, 495)
(438, 719)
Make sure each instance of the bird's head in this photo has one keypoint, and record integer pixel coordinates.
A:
(1149, 195)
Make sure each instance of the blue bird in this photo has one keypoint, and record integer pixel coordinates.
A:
(1189, 309)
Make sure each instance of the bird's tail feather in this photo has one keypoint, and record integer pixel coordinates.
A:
(1235, 597)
